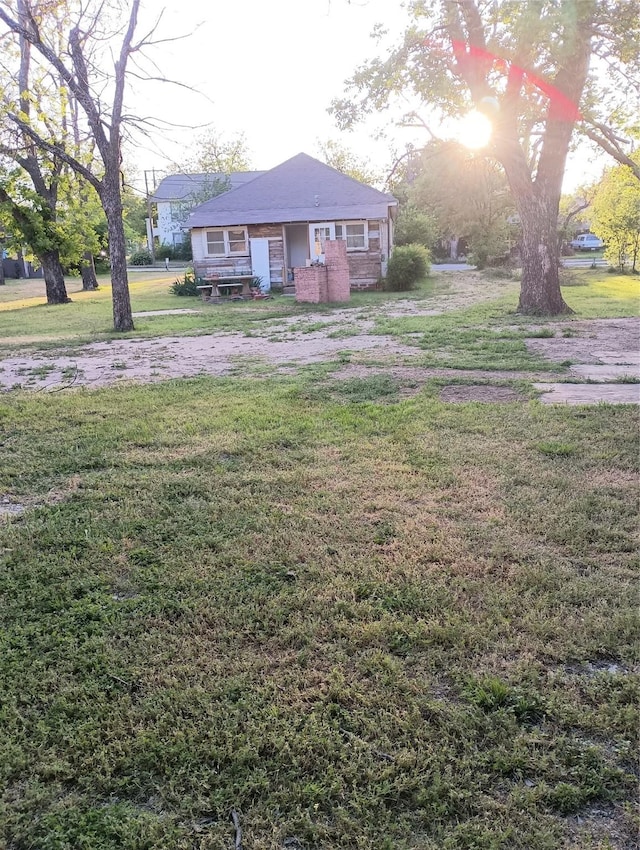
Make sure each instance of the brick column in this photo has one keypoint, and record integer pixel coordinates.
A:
(311, 284)
(338, 285)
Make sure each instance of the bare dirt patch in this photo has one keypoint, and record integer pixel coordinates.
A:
(597, 341)
(600, 350)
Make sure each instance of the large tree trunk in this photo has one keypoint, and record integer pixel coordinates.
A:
(540, 293)
(112, 204)
(53, 278)
(88, 272)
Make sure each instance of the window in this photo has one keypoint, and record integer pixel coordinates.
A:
(224, 243)
(354, 233)
(237, 241)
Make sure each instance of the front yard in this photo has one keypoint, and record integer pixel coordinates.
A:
(321, 596)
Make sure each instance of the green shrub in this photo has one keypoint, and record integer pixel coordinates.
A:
(188, 285)
(183, 251)
(140, 258)
(408, 265)
(175, 252)
(164, 252)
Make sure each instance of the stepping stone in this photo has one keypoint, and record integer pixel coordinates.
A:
(608, 372)
(589, 393)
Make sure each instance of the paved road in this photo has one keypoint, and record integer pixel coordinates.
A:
(567, 262)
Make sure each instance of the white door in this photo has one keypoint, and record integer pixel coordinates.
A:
(318, 235)
(260, 262)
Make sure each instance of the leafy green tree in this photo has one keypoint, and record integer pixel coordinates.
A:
(134, 211)
(571, 207)
(463, 195)
(75, 41)
(342, 159)
(213, 153)
(615, 215)
(30, 91)
(534, 68)
(415, 227)
(30, 218)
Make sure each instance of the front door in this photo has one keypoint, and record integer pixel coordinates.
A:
(318, 235)
(260, 262)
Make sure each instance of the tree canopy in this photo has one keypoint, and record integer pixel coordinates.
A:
(338, 156)
(615, 215)
(537, 69)
(214, 153)
(86, 48)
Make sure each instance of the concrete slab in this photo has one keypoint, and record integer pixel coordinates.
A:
(589, 393)
(592, 372)
(620, 357)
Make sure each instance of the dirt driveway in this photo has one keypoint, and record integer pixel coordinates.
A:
(610, 346)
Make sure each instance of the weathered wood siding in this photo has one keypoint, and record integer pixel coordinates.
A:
(365, 267)
(265, 231)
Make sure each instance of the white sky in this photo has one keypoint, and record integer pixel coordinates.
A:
(270, 68)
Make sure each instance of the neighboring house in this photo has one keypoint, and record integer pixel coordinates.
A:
(177, 195)
(279, 221)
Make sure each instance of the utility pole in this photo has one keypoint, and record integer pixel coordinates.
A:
(150, 244)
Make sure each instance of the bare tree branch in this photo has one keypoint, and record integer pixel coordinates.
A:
(56, 151)
(609, 142)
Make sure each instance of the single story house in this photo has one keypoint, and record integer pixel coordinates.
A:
(279, 221)
(178, 194)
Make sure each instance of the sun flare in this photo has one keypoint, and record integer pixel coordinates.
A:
(473, 130)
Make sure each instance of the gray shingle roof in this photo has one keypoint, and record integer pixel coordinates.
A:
(300, 189)
(177, 187)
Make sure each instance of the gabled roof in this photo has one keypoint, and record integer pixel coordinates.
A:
(178, 187)
(300, 189)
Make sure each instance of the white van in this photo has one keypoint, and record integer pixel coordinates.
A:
(587, 242)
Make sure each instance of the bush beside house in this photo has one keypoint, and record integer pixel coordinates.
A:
(408, 265)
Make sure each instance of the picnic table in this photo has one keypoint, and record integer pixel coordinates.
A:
(226, 285)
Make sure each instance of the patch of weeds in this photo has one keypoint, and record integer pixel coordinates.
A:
(553, 448)
(41, 371)
(384, 533)
(120, 364)
(71, 372)
(344, 332)
(569, 332)
(491, 694)
(541, 333)
(373, 388)
(312, 327)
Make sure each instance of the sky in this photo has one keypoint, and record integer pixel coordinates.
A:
(270, 71)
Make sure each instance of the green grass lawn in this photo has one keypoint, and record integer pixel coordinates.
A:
(360, 624)
(596, 293)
